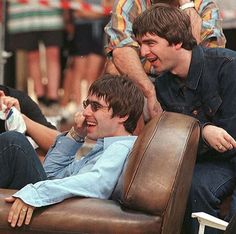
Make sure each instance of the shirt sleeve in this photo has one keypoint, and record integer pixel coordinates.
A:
(98, 182)
(226, 115)
(211, 33)
(119, 29)
(60, 156)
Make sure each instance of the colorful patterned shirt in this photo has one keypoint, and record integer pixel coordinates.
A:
(119, 29)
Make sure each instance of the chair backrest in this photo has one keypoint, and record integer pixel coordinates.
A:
(158, 172)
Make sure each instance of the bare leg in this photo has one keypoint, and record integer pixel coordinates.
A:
(34, 72)
(80, 66)
(96, 64)
(68, 83)
(53, 71)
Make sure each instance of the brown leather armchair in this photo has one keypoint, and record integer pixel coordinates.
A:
(150, 196)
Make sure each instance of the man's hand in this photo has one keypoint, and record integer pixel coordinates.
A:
(218, 138)
(152, 108)
(20, 212)
(8, 101)
(80, 124)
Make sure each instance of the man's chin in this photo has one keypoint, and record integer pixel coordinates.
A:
(91, 137)
(158, 70)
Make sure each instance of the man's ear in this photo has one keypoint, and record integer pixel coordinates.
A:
(123, 119)
(178, 46)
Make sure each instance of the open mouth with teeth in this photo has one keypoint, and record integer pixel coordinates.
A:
(90, 124)
(152, 60)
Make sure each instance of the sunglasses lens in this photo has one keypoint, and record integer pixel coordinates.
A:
(85, 103)
(94, 106)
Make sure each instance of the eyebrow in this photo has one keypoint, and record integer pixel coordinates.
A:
(148, 40)
(94, 101)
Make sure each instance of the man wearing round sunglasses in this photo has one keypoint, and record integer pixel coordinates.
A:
(111, 112)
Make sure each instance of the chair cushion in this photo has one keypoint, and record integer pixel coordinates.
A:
(153, 173)
(81, 215)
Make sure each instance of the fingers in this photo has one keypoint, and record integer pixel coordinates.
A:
(80, 124)
(225, 142)
(21, 216)
(154, 107)
(221, 148)
(218, 138)
(10, 199)
(20, 213)
(157, 108)
(2, 94)
(230, 141)
(29, 215)
(79, 120)
(14, 213)
(25, 215)
(9, 102)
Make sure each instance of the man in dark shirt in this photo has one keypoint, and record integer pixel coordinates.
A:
(199, 82)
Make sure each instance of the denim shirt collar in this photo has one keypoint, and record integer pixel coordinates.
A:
(196, 68)
(109, 140)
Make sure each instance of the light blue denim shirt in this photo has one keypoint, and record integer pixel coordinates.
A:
(94, 175)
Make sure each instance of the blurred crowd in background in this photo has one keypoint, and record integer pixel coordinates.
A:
(55, 51)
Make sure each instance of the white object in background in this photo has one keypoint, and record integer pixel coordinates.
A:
(13, 119)
(205, 219)
(15, 122)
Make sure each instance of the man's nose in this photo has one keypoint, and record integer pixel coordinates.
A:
(87, 111)
(144, 50)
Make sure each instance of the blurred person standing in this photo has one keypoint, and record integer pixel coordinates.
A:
(88, 45)
(28, 25)
(228, 12)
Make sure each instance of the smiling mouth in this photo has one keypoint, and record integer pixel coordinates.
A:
(152, 60)
(90, 124)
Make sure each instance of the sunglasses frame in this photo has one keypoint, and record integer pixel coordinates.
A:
(95, 106)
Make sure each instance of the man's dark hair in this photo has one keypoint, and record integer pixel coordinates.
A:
(167, 22)
(122, 95)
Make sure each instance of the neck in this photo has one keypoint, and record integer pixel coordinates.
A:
(183, 61)
(123, 133)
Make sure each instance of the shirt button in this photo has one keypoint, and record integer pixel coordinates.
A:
(195, 112)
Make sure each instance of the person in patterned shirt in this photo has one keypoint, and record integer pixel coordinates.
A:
(124, 49)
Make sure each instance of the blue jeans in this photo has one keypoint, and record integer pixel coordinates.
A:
(212, 182)
(19, 163)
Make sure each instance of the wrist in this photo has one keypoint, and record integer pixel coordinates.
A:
(186, 5)
(150, 92)
(75, 135)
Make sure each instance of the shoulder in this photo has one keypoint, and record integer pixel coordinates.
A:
(119, 142)
(220, 54)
